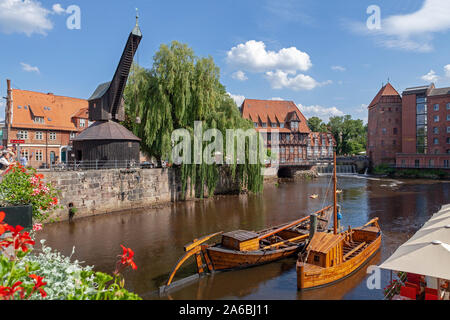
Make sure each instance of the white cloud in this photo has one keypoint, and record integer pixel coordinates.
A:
(58, 9)
(239, 75)
(28, 68)
(277, 99)
(24, 16)
(430, 77)
(319, 111)
(239, 99)
(447, 70)
(338, 68)
(362, 108)
(411, 32)
(280, 79)
(253, 56)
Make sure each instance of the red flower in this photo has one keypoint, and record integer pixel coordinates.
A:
(127, 257)
(2, 225)
(39, 283)
(18, 239)
(7, 293)
(55, 201)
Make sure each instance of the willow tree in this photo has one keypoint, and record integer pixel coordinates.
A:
(178, 90)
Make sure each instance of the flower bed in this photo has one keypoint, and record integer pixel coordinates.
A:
(48, 275)
(23, 186)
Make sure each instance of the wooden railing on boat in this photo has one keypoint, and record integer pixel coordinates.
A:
(266, 235)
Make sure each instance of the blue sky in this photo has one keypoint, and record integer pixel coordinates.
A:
(319, 54)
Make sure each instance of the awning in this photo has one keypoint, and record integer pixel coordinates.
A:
(428, 251)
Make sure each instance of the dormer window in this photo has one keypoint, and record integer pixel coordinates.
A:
(264, 124)
(274, 125)
(82, 123)
(38, 119)
(281, 124)
(294, 124)
(256, 124)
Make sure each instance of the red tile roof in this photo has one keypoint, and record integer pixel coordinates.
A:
(273, 110)
(60, 110)
(387, 90)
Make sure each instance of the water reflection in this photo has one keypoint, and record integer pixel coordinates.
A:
(158, 235)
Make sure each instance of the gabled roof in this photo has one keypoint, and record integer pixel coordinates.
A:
(439, 92)
(271, 110)
(58, 109)
(106, 130)
(387, 90)
(100, 91)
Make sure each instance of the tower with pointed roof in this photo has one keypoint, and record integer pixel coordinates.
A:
(384, 136)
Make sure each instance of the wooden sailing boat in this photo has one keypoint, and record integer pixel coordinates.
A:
(331, 257)
(242, 249)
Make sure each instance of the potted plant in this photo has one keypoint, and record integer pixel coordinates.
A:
(24, 196)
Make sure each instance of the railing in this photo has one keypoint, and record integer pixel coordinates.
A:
(405, 166)
(395, 285)
(96, 165)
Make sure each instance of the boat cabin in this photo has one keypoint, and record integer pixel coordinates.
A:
(325, 250)
(241, 240)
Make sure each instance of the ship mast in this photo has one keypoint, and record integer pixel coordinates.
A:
(334, 195)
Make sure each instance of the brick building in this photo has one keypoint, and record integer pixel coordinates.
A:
(297, 142)
(424, 131)
(384, 126)
(47, 123)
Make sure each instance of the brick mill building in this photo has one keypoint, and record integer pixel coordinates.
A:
(46, 122)
(296, 141)
(423, 136)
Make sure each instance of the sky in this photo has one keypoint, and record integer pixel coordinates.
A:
(329, 57)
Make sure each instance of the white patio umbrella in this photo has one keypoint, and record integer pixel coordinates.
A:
(431, 258)
(430, 234)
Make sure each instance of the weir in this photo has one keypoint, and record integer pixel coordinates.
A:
(339, 169)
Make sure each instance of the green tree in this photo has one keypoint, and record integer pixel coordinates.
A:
(350, 134)
(178, 90)
(317, 125)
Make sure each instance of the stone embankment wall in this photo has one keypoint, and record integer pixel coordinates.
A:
(103, 191)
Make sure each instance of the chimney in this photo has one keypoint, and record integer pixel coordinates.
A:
(8, 119)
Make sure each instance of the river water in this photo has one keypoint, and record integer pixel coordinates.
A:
(158, 235)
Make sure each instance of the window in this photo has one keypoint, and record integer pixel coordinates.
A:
(383, 130)
(288, 137)
(291, 150)
(24, 153)
(38, 135)
(256, 124)
(431, 163)
(448, 129)
(394, 142)
(83, 123)
(417, 163)
(38, 119)
(73, 135)
(435, 130)
(448, 140)
(421, 99)
(39, 155)
(22, 134)
(436, 107)
(281, 124)
(436, 141)
(448, 106)
(52, 136)
(446, 163)
(395, 130)
(436, 118)
(448, 117)
(274, 125)
(19, 107)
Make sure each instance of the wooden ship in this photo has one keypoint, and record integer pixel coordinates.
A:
(243, 249)
(106, 140)
(331, 257)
